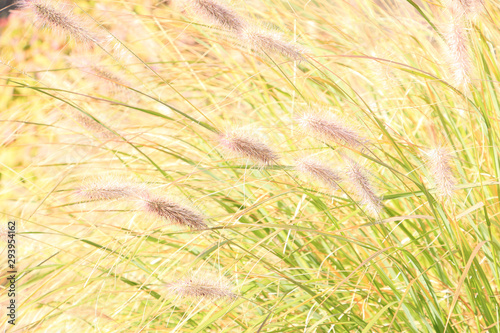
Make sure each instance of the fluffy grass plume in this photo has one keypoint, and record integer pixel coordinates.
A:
(109, 188)
(270, 42)
(110, 80)
(457, 52)
(362, 187)
(327, 125)
(59, 16)
(319, 171)
(217, 13)
(438, 162)
(242, 143)
(467, 8)
(91, 125)
(202, 286)
(172, 211)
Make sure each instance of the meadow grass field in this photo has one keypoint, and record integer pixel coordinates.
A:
(251, 166)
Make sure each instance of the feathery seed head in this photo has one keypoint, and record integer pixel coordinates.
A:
(217, 13)
(438, 163)
(109, 189)
(467, 8)
(112, 80)
(329, 126)
(204, 287)
(172, 211)
(58, 16)
(458, 53)
(243, 144)
(266, 41)
(92, 125)
(319, 171)
(363, 187)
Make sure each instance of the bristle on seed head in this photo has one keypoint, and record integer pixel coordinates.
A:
(318, 171)
(243, 144)
(205, 287)
(329, 126)
(92, 125)
(457, 53)
(217, 13)
(172, 211)
(109, 189)
(59, 16)
(362, 186)
(467, 8)
(100, 73)
(438, 162)
(271, 42)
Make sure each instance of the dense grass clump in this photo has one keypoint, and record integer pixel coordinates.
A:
(252, 166)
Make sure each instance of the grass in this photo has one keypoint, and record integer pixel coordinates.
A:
(149, 105)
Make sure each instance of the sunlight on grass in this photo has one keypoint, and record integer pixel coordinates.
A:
(253, 166)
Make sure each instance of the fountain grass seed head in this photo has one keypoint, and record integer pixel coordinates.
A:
(217, 13)
(327, 125)
(319, 171)
(270, 42)
(172, 211)
(465, 8)
(202, 286)
(457, 53)
(242, 143)
(362, 186)
(438, 162)
(110, 188)
(91, 125)
(103, 75)
(59, 16)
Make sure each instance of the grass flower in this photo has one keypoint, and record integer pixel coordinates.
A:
(91, 125)
(329, 126)
(271, 42)
(319, 171)
(217, 13)
(243, 144)
(438, 163)
(113, 81)
(457, 52)
(468, 8)
(59, 16)
(362, 186)
(109, 189)
(159, 206)
(172, 211)
(202, 287)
